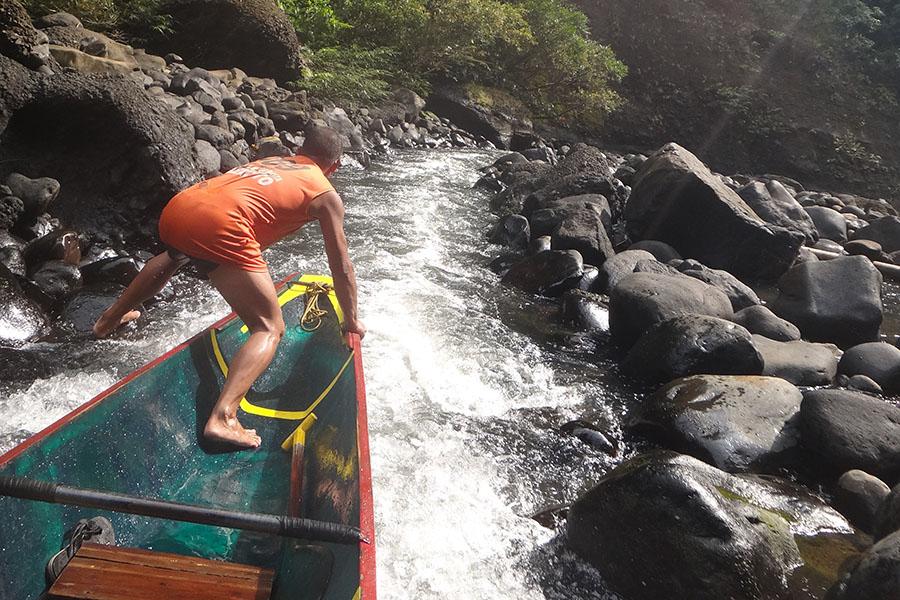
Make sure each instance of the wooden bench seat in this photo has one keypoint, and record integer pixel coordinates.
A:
(99, 572)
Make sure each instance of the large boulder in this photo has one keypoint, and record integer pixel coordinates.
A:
(116, 151)
(740, 294)
(833, 301)
(676, 199)
(876, 360)
(761, 320)
(830, 224)
(848, 430)
(885, 231)
(253, 35)
(858, 496)
(776, 206)
(21, 320)
(583, 229)
(876, 575)
(19, 40)
(733, 423)
(641, 300)
(801, 363)
(692, 345)
(616, 268)
(664, 525)
(464, 112)
(545, 272)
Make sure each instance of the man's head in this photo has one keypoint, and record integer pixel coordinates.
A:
(323, 145)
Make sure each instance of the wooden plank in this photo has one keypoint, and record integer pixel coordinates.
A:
(139, 556)
(112, 573)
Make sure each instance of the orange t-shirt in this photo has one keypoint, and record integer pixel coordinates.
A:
(231, 218)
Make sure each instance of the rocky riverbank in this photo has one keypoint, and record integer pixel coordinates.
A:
(659, 257)
(96, 136)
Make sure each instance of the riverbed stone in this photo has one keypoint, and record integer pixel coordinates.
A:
(801, 363)
(775, 205)
(858, 497)
(830, 224)
(585, 310)
(661, 251)
(545, 272)
(619, 266)
(21, 320)
(582, 229)
(876, 575)
(847, 430)
(760, 320)
(885, 231)
(861, 383)
(663, 525)
(692, 345)
(512, 231)
(735, 423)
(676, 199)
(642, 300)
(887, 518)
(876, 360)
(57, 279)
(35, 194)
(868, 248)
(740, 294)
(833, 300)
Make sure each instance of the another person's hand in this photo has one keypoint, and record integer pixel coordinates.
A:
(356, 326)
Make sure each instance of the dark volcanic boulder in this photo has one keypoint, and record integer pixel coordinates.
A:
(19, 40)
(833, 301)
(512, 231)
(585, 310)
(760, 320)
(473, 117)
(664, 525)
(876, 575)
(253, 35)
(885, 231)
(887, 519)
(617, 267)
(740, 294)
(662, 251)
(858, 496)
(677, 200)
(801, 363)
(641, 300)
(776, 206)
(541, 273)
(876, 360)
(693, 345)
(113, 149)
(733, 423)
(849, 430)
(582, 229)
(830, 224)
(21, 319)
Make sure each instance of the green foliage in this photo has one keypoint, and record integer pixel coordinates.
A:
(352, 73)
(107, 15)
(539, 50)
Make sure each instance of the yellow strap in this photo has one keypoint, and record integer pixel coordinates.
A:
(290, 415)
(356, 595)
(298, 288)
(298, 437)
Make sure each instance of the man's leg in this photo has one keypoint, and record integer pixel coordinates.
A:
(252, 296)
(149, 282)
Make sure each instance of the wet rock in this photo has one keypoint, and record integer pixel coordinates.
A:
(615, 268)
(253, 35)
(662, 251)
(847, 430)
(505, 161)
(740, 295)
(876, 360)
(733, 423)
(18, 364)
(591, 435)
(11, 255)
(86, 306)
(35, 194)
(876, 575)
(512, 231)
(117, 269)
(693, 345)
(830, 224)
(585, 310)
(64, 245)
(760, 320)
(885, 231)
(546, 215)
(835, 300)
(858, 497)
(545, 271)
(776, 206)
(668, 526)
(583, 230)
(677, 200)
(801, 363)
(21, 320)
(57, 279)
(642, 300)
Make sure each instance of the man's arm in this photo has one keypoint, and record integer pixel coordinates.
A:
(329, 210)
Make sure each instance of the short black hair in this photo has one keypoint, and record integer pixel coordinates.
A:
(322, 144)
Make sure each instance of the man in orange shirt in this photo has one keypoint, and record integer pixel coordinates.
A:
(222, 225)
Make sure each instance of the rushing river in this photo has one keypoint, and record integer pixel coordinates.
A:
(467, 381)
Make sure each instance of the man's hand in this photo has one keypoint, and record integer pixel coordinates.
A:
(357, 327)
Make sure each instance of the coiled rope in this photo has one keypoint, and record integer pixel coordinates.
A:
(311, 319)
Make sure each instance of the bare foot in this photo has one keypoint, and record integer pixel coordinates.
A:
(230, 431)
(105, 325)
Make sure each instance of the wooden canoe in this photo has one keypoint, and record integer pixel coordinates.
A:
(142, 438)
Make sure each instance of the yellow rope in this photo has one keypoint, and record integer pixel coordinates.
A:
(312, 314)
